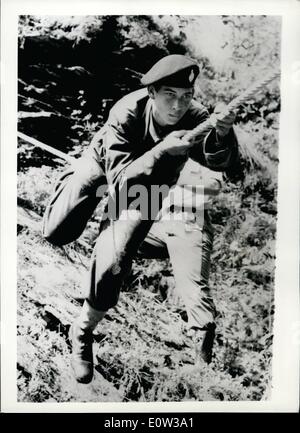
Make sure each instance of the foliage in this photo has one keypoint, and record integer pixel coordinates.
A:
(73, 68)
(35, 186)
(141, 348)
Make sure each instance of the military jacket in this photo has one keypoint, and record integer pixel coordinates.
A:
(127, 142)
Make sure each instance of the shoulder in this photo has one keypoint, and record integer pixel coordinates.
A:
(130, 107)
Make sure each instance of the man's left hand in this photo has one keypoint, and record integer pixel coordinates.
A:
(222, 119)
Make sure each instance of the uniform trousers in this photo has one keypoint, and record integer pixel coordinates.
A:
(121, 241)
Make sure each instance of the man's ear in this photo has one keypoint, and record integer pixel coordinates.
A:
(151, 91)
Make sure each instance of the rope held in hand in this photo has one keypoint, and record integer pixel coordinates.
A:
(235, 103)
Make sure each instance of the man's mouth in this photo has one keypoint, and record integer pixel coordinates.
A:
(174, 116)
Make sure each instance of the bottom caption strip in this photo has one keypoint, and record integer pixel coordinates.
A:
(150, 422)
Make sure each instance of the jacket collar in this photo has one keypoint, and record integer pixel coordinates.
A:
(156, 131)
(149, 122)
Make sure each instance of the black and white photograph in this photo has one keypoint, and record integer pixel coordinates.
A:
(148, 160)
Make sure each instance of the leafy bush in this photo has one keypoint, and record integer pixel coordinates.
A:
(35, 186)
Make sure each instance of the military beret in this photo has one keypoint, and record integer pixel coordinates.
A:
(175, 70)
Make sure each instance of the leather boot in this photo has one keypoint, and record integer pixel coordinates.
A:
(204, 340)
(81, 337)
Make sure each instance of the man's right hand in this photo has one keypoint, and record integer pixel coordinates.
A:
(175, 144)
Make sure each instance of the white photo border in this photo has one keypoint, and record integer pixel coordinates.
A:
(285, 395)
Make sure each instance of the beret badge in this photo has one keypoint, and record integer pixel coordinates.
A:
(191, 76)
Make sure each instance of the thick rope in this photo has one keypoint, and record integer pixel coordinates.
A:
(235, 103)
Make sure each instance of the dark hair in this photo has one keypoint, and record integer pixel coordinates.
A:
(159, 84)
(156, 86)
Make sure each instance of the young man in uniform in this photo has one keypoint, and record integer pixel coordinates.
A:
(143, 144)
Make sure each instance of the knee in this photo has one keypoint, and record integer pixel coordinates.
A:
(89, 175)
(51, 232)
(51, 236)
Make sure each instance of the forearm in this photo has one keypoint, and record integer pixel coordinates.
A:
(153, 167)
(144, 166)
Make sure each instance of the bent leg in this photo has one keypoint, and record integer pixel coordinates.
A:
(190, 257)
(112, 257)
(73, 201)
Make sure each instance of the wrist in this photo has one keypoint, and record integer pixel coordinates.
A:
(159, 150)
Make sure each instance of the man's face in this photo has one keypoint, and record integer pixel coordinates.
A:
(170, 103)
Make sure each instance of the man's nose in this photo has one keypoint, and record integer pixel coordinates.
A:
(176, 104)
